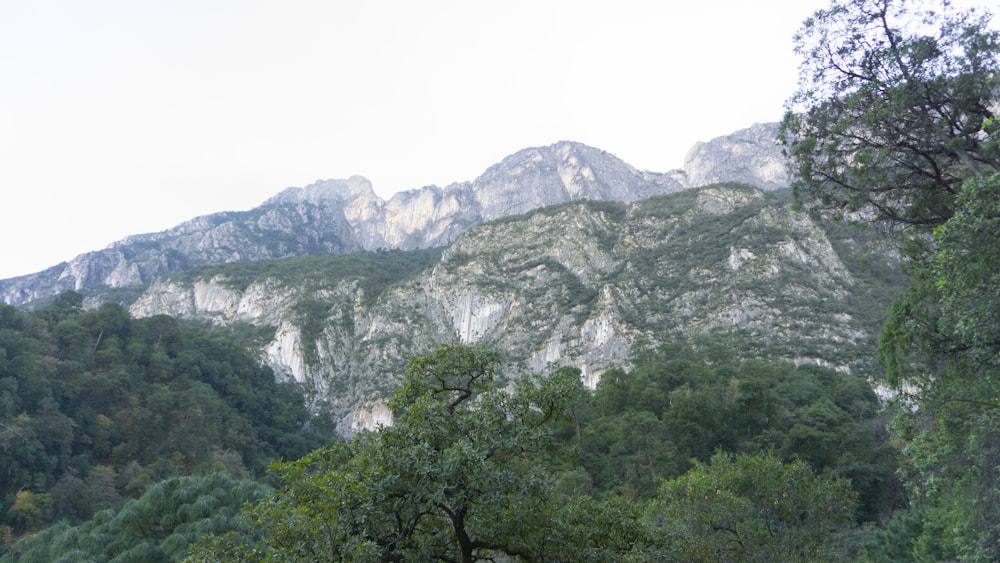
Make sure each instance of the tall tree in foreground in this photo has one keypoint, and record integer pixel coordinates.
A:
(893, 121)
(459, 476)
(888, 115)
(941, 346)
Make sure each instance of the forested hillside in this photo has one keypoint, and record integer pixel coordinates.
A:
(688, 377)
(670, 461)
(477, 465)
(96, 407)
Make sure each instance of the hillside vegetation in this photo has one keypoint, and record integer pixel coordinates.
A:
(585, 284)
(95, 407)
(683, 377)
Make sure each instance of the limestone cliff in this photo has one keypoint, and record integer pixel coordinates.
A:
(583, 284)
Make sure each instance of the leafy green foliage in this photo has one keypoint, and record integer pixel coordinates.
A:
(893, 117)
(160, 525)
(474, 468)
(459, 476)
(892, 95)
(96, 406)
(675, 410)
(967, 265)
(751, 508)
(940, 348)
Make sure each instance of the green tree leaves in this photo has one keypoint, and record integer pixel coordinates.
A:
(752, 508)
(652, 423)
(161, 525)
(941, 348)
(967, 265)
(96, 406)
(893, 119)
(891, 99)
(461, 475)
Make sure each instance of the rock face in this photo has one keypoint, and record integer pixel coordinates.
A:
(584, 284)
(297, 222)
(559, 255)
(752, 156)
(345, 216)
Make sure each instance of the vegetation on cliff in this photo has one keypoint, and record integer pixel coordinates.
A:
(141, 439)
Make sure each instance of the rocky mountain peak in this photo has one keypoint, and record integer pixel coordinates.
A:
(323, 192)
(579, 284)
(561, 172)
(752, 156)
(344, 216)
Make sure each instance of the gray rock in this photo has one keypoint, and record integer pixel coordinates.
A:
(345, 216)
(752, 156)
(579, 284)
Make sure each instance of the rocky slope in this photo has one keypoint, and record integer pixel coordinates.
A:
(582, 283)
(750, 155)
(345, 216)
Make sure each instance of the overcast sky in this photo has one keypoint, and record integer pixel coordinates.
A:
(122, 117)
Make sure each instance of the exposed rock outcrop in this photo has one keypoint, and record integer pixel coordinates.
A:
(751, 155)
(345, 216)
(581, 284)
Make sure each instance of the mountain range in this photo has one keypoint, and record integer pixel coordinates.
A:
(346, 216)
(559, 255)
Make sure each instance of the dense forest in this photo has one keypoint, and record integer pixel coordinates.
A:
(96, 407)
(156, 440)
(595, 465)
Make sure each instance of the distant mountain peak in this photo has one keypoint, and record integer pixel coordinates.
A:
(355, 187)
(752, 155)
(345, 215)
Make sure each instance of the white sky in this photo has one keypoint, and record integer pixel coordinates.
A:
(123, 117)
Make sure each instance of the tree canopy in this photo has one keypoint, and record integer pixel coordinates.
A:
(940, 348)
(478, 468)
(459, 476)
(159, 526)
(665, 416)
(95, 407)
(752, 508)
(887, 119)
(893, 123)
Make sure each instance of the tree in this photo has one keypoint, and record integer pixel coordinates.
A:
(655, 421)
(159, 526)
(751, 508)
(459, 476)
(888, 113)
(96, 406)
(628, 453)
(941, 349)
(967, 265)
(30, 509)
(893, 120)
